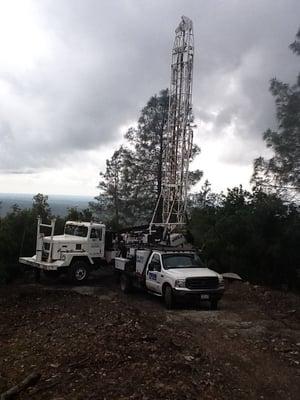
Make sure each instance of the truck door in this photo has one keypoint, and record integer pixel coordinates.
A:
(154, 273)
(96, 243)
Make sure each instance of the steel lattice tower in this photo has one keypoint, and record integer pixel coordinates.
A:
(170, 210)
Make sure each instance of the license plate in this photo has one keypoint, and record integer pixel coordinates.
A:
(204, 297)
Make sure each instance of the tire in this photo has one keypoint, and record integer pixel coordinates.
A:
(125, 284)
(51, 274)
(79, 272)
(214, 304)
(169, 298)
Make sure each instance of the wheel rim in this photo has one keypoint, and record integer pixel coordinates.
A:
(80, 273)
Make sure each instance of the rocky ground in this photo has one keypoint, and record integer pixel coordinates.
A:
(94, 342)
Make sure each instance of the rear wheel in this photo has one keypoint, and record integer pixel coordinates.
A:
(125, 283)
(169, 297)
(79, 272)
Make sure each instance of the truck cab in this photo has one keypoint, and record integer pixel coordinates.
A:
(78, 237)
(171, 274)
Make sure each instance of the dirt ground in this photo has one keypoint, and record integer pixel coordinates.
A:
(94, 342)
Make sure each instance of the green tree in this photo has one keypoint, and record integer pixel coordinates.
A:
(18, 235)
(283, 169)
(295, 46)
(253, 234)
(148, 141)
(40, 206)
(116, 186)
(74, 214)
(132, 181)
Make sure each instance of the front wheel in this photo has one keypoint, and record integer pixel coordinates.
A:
(169, 298)
(79, 272)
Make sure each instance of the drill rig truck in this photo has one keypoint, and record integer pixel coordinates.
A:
(171, 268)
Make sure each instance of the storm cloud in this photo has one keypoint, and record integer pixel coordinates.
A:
(73, 73)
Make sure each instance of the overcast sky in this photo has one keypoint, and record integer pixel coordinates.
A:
(74, 75)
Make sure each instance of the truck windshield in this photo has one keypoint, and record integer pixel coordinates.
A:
(172, 261)
(76, 230)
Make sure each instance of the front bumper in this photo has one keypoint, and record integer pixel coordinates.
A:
(202, 294)
(31, 262)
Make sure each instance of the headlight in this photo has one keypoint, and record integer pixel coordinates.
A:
(63, 257)
(221, 280)
(180, 283)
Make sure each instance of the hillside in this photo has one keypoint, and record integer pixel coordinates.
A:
(94, 342)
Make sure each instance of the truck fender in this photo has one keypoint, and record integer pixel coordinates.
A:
(71, 257)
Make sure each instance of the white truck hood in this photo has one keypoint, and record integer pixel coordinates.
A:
(181, 273)
(66, 238)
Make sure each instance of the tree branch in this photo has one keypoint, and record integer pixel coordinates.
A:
(30, 380)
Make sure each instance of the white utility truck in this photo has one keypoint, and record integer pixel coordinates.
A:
(172, 273)
(83, 246)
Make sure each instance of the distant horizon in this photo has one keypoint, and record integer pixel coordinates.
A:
(59, 203)
(8, 194)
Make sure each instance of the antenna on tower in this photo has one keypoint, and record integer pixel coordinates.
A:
(170, 210)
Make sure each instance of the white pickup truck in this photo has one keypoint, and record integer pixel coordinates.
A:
(170, 273)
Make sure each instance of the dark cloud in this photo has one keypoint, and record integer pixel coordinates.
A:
(104, 59)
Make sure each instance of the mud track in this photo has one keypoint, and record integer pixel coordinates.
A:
(93, 342)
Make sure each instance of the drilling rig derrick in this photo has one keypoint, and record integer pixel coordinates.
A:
(170, 210)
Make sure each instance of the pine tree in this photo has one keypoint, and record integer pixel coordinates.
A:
(148, 142)
(132, 182)
(113, 202)
(40, 207)
(283, 169)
